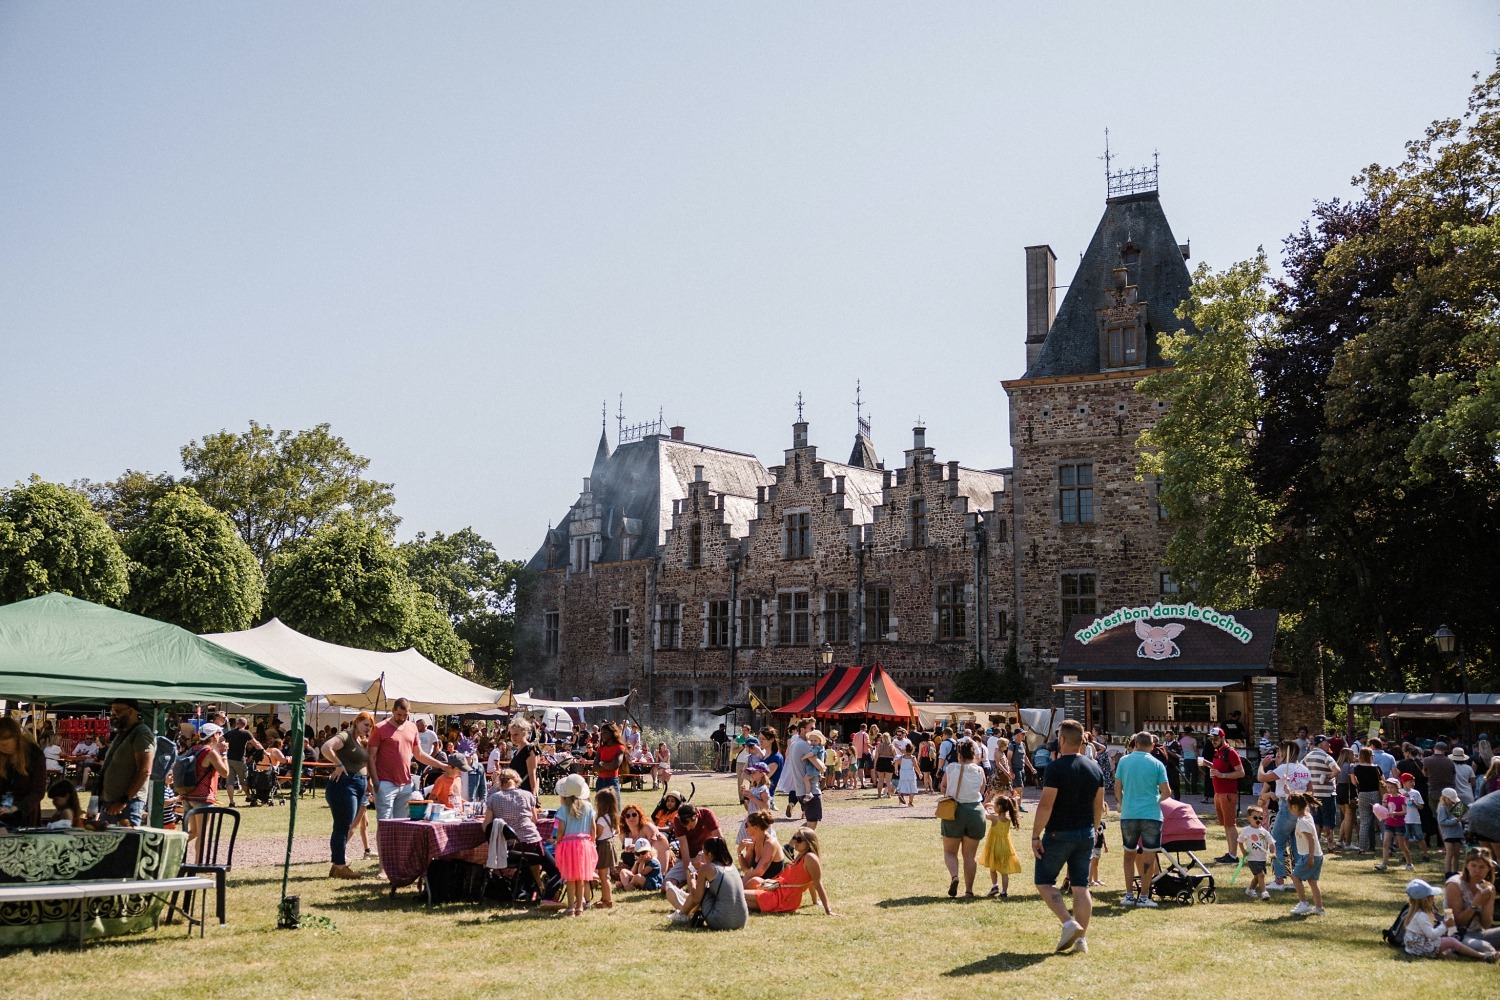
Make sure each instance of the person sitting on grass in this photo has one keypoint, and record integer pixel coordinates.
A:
(714, 896)
(1426, 934)
(645, 872)
(634, 826)
(760, 853)
(804, 875)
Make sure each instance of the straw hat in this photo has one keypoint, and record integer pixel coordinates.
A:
(573, 786)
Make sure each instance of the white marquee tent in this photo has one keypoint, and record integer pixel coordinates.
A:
(360, 678)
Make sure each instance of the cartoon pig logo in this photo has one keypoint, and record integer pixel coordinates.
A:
(1156, 640)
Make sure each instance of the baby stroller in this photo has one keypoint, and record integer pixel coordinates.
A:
(1182, 833)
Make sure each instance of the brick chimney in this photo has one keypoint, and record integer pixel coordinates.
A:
(1041, 298)
(678, 432)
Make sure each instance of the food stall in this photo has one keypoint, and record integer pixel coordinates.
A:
(1163, 667)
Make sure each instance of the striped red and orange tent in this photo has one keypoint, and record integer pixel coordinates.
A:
(853, 691)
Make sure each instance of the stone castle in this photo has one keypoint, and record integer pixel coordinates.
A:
(695, 576)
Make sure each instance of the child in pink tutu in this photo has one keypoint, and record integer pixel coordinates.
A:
(577, 857)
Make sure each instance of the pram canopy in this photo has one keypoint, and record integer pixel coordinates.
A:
(1181, 829)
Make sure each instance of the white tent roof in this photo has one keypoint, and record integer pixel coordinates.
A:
(358, 678)
(931, 713)
(526, 703)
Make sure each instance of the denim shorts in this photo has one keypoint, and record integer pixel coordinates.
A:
(1308, 867)
(1145, 832)
(1070, 849)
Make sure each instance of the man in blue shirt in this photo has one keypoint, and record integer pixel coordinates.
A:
(1142, 783)
(1383, 760)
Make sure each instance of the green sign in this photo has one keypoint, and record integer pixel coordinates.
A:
(1182, 612)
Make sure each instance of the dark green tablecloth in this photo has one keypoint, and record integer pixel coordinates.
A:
(40, 857)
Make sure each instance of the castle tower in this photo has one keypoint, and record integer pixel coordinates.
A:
(1087, 535)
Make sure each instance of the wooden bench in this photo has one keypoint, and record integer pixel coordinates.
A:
(95, 890)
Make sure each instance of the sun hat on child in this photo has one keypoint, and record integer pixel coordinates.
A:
(573, 786)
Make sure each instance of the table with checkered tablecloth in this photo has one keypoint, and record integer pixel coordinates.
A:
(408, 846)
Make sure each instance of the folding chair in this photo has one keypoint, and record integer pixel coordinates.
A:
(213, 855)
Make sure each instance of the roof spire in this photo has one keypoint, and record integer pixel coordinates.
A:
(799, 407)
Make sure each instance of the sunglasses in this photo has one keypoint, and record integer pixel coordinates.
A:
(797, 838)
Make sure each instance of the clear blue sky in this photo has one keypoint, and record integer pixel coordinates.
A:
(451, 231)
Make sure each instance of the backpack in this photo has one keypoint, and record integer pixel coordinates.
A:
(185, 770)
(1395, 935)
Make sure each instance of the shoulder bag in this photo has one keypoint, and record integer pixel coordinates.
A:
(947, 805)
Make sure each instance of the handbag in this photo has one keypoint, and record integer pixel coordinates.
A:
(947, 805)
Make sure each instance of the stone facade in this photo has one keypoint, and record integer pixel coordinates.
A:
(897, 566)
(695, 576)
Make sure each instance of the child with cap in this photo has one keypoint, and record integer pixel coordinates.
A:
(448, 790)
(1427, 934)
(1415, 839)
(645, 873)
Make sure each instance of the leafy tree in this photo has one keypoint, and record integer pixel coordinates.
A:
(126, 502)
(1200, 448)
(476, 589)
(346, 583)
(189, 567)
(51, 540)
(1381, 430)
(279, 486)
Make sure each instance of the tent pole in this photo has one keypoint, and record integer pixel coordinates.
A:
(158, 796)
(298, 710)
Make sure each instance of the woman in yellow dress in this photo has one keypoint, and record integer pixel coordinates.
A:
(998, 854)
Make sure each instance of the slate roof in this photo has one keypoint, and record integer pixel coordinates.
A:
(863, 455)
(1072, 344)
(636, 485)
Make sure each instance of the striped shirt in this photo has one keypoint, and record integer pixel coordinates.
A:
(1323, 770)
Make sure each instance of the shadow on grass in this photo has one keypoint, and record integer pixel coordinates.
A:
(887, 904)
(1003, 962)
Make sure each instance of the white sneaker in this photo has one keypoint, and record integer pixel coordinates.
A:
(1411, 868)
(1280, 886)
(1317, 911)
(1250, 893)
(1302, 909)
(1072, 930)
(678, 917)
(1128, 899)
(1263, 894)
(1146, 903)
(1081, 946)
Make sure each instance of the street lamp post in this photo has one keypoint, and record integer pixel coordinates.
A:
(1447, 642)
(825, 653)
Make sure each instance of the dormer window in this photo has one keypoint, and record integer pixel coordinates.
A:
(1130, 260)
(1124, 346)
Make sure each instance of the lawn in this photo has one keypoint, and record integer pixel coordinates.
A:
(898, 934)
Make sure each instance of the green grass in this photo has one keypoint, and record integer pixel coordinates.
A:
(898, 936)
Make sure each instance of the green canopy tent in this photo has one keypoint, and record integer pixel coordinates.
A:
(60, 650)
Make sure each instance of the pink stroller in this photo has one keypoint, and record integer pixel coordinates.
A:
(1182, 833)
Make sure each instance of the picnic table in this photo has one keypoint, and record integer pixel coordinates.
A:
(40, 858)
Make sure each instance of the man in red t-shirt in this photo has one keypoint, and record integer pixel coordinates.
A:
(393, 744)
(1225, 769)
(691, 827)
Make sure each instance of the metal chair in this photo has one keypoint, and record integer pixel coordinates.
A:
(213, 855)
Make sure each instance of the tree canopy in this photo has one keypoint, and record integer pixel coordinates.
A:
(51, 540)
(476, 589)
(346, 583)
(1347, 441)
(188, 566)
(1200, 448)
(280, 486)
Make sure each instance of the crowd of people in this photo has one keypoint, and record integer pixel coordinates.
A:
(1310, 797)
